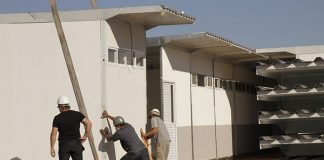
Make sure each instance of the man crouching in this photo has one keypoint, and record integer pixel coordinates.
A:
(128, 138)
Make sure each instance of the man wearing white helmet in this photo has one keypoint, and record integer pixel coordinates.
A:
(160, 134)
(67, 124)
(128, 138)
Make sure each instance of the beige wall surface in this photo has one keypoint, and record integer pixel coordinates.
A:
(231, 107)
(124, 91)
(241, 105)
(204, 142)
(176, 69)
(202, 106)
(224, 141)
(122, 34)
(34, 75)
(184, 143)
(177, 66)
(126, 97)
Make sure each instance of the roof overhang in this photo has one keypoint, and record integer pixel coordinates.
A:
(149, 16)
(208, 45)
(279, 54)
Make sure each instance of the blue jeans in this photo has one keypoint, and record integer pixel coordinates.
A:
(70, 148)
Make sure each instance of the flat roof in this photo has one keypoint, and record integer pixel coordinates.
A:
(279, 54)
(209, 45)
(291, 51)
(149, 16)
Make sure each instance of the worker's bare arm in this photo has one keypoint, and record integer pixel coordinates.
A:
(87, 123)
(106, 115)
(53, 140)
(151, 133)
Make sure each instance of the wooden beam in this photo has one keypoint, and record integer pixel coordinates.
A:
(93, 4)
(70, 67)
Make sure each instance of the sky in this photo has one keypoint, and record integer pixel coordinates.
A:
(252, 23)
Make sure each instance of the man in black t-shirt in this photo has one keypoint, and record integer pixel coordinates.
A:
(67, 124)
(128, 138)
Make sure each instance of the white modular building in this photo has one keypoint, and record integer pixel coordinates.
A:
(205, 87)
(203, 84)
(108, 48)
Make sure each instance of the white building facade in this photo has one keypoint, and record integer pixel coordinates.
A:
(108, 49)
(206, 94)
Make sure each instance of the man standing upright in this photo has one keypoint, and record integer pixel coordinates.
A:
(67, 124)
(160, 134)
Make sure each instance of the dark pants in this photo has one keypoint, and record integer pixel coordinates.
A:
(141, 155)
(70, 148)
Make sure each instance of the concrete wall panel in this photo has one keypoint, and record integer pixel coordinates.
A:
(125, 85)
(184, 143)
(36, 75)
(204, 142)
(176, 69)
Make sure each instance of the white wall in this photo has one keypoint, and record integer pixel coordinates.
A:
(122, 34)
(231, 107)
(34, 75)
(177, 66)
(125, 88)
(176, 69)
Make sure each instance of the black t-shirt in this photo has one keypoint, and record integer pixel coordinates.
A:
(68, 124)
(128, 139)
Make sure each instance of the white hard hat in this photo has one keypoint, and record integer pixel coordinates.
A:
(155, 112)
(63, 100)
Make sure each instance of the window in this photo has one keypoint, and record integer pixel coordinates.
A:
(124, 57)
(201, 80)
(229, 84)
(194, 79)
(139, 56)
(217, 83)
(208, 81)
(172, 105)
(253, 89)
(247, 88)
(112, 53)
(237, 85)
(223, 84)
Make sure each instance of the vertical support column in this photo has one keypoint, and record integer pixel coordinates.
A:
(215, 122)
(191, 114)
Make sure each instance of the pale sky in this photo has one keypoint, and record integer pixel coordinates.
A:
(252, 23)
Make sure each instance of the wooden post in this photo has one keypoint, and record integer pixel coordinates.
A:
(73, 77)
(93, 4)
(147, 145)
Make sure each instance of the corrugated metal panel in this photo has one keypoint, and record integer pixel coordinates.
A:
(168, 118)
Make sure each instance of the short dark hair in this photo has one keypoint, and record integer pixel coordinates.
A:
(64, 106)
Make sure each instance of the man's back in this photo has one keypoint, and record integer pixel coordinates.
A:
(163, 134)
(68, 124)
(128, 139)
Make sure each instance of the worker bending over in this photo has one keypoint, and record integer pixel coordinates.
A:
(128, 138)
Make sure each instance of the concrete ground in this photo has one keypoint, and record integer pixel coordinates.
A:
(275, 154)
